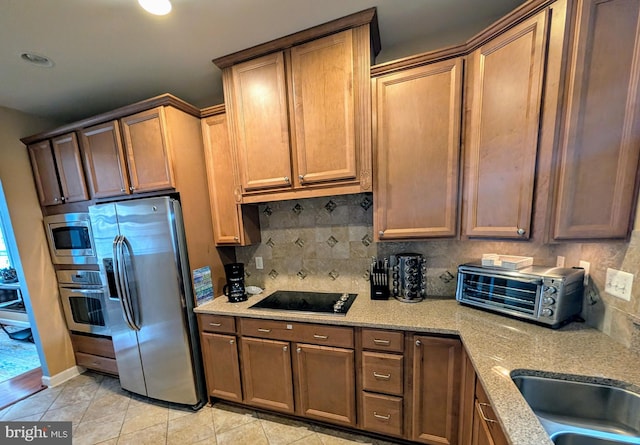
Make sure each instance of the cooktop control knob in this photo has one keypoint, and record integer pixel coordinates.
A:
(344, 297)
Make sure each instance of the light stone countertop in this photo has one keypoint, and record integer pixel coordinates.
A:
(495, 344)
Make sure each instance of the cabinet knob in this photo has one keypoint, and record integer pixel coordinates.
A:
(520, 231)
(64, 198)
(231, 341)
(298, 350)
(418, 343)
(56, 199)
(285, 349)
(132, 188)
(301, 177)
(381, 233)
(236, 238)
(122, 190)
(286, 179)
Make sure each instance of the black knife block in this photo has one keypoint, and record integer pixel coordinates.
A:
(379, 291)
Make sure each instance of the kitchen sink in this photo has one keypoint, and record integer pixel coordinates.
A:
(579, 412)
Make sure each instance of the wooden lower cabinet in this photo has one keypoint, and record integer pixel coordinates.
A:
(266, 374)
(486, 429)
(436, 389)
(94, 353)
(222, 366)
(325, 383)
(382, 413)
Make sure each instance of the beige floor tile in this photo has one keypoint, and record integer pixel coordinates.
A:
(109, 442)
(312, 439)
(71, 413)
(31, 418)
(191, 428)
(107, 405)
(226, 417)
(36, 404)
(330, 436)
(72, 394)
(208, 441)
(282, 431)
(153, 435)
(249, 433)
(141, 415)
(96, 431)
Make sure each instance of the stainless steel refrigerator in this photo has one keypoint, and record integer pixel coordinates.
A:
(142, 256)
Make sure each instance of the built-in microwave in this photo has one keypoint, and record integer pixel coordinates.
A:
(70, 239)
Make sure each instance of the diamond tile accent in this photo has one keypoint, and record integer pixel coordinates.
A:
(330, 206)
(299, 242)
(268, 211)
(331, 241)
(302, 274)
(366, 203)
(334, 274)
(270, 243)
(297, 209)
(367, 240)
(446, 277)
(273, 274)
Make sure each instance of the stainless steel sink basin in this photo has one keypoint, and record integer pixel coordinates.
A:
(577, 412)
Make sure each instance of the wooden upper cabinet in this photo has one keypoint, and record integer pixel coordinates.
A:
(147, 147)
(104, 160)
(261, 122)
(57, 168)
(600, 143)
(232, 224)
(417, 142)
(322, 83)
(505, 92)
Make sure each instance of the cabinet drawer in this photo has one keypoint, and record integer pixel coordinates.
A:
(382, 414)
(98, 363)
(382, 372)
(93, 345)
(383, 340)
(301, 332)
(217, 323)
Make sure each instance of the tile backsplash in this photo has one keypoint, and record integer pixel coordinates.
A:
(326, 244)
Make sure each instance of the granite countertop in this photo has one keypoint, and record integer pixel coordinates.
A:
(496, 345)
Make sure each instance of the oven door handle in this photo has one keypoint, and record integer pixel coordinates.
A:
(125, 246)
(117, 271)
(75, 290)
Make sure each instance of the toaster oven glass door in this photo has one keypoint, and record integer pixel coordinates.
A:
(505, 292)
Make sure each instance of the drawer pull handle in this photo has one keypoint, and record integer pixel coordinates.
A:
(381, 417)
(217, 325)
(378, 341)
(264, 330)
(484, 417)
(231, 342)
(320, 337)
(381, 376)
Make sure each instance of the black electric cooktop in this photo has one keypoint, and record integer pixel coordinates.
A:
(313, 302)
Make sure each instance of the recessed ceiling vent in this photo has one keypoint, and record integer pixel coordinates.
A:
(37, 59)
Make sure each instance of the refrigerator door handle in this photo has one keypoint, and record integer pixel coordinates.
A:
(117, 268)
(124, 243)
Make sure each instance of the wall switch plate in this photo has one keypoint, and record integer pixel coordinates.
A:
(619, 284)
(559, 261)
(259, 263)
(586, 266)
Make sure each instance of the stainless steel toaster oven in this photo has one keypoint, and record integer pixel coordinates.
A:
(546, 295)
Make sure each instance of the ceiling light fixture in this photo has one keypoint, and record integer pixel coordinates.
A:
(156, 7)
(37, 59)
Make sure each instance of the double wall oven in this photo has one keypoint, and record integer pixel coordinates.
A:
(84, 300)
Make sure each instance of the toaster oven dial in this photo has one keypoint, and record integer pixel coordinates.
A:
(550, 290)
(548, 301)
(546, 312)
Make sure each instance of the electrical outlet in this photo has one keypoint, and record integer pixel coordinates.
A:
(586, 266)
(559, 261)
(619, 283)
(259, 263)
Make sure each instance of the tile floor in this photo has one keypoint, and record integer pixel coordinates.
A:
(103, 413)
(16, 357)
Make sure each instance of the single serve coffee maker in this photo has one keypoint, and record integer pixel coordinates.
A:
(234, 289)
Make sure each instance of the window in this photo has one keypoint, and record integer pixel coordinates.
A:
(5, 260)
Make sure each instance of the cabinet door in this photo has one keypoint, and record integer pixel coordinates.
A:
(44, 173)
(221, 178)
(326, 383)
(148, 152)
(69, 164)
(436, 390)
(322, 81)
(418, 150)
(104, 160)
(259, 110)
(600, 145)
(506, 77)
(222, 366)
(266, 374)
